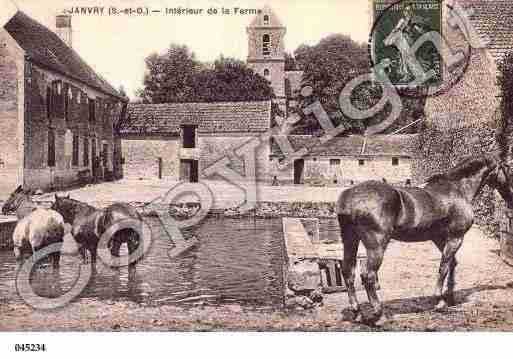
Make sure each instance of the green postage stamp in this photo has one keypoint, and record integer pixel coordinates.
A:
(399, 27)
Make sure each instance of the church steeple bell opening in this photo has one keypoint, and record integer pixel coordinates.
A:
(266, 49)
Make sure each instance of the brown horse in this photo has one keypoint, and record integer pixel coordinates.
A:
(89, 224)
(36, 229)
(374, 212)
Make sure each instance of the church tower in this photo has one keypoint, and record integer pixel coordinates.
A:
(266, 51)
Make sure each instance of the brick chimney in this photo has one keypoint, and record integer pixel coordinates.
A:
(64, 29)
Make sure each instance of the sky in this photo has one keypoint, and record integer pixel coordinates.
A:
(116, 46)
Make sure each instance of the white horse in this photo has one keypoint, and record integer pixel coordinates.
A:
(36, 229)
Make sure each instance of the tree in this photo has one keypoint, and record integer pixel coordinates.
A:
(329, 65)
(230, 80)
(177, 76)
(122, 91)
(169, 76)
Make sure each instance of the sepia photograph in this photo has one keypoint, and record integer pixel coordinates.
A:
(332, 166)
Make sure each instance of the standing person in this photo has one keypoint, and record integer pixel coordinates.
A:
(96, 165)
(68, 148)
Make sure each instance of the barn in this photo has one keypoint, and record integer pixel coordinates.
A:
(177, 141)
(348, 160)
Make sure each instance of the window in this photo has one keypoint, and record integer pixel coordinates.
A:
(267, 73)
(86, 152)
(66, 104)
(335, 162)
(92, 110)
(266, 19)
(57, 87)
(395, 161)
(266, 45)
(105, 155)
(189, 136)
(51, 147)
(74, 160)
(315, 159)
(361, 162)
(49, 100)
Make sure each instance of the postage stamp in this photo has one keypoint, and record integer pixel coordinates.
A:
(399, 28)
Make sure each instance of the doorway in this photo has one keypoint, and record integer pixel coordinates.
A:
(189, 171)
(299, 166)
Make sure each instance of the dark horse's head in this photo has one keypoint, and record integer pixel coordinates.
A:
(65, 206)
(501, 178)
(15, 200)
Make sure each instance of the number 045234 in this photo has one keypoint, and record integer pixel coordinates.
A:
(30, 347)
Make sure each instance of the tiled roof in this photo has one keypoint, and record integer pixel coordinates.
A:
(379, 145)
(46, 49)
(493, 18)
(217, 117)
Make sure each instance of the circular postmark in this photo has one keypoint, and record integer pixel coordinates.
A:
(408, 37)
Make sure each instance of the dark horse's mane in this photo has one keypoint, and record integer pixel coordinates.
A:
(79, 203)
(463, 169)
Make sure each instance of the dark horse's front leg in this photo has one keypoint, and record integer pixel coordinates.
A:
(447, 267)
(135, 250)
(93, 250)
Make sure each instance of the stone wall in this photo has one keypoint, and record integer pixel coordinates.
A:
(443, 147)
(213, 148)
(11, 113)
(76, 122)
(321, 170)
(141, 157)
(461, 123)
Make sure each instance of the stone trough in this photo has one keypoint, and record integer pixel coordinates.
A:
(313, 265)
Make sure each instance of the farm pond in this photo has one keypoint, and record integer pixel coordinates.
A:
(236, 261)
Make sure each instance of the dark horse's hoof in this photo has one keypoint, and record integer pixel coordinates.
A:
(451, 301)
(350, 315)
(373, 320)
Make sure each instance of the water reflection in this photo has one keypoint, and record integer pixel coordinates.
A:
(236, 260)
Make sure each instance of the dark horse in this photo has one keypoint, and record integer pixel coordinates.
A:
(374, 212)
(36, 229)
(89, 224)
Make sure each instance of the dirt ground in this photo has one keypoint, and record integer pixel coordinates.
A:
(484, 294)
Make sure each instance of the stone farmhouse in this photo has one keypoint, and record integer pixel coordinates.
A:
(178, 141)
(57, 115)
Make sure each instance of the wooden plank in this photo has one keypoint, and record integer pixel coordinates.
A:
(506, 247)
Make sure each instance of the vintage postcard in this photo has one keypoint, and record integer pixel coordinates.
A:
(255, 166)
